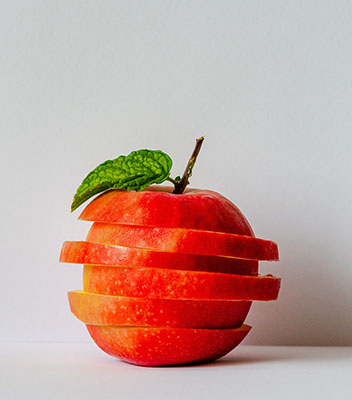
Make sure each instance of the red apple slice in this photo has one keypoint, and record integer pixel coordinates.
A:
(184, 241)
(156, 206)
(96, 309)
(166, 346)
(172, 284)
(93, 253)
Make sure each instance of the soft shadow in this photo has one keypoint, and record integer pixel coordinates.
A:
(269, 354)
(292, 353)
(227, 361)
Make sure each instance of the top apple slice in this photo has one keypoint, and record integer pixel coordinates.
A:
(157, 206)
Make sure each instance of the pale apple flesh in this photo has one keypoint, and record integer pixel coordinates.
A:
(95, 253)
(166, 346)
(174, 284)
(184, 241)
(96, 309)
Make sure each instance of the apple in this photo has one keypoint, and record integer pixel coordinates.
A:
(97, 309)
(153, 347)
(187, 241)
(170, 274)
(173, 284)
(93, 253)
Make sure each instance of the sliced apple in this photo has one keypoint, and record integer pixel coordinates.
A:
(93, 253)
(157, 206)
(173, 284)
(96, 309)
(166, 346)
(184, 241)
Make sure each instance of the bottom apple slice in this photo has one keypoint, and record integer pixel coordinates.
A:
(153, 347)
(96, 309)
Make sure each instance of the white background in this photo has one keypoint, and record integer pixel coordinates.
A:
(269, 83)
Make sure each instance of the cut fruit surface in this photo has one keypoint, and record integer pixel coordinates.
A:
(152, 207)
(184, 241)
(93, 253)
(95, 309)
(162, 283)
(166, 346)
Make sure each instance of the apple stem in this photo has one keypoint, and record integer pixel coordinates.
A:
(180, 185)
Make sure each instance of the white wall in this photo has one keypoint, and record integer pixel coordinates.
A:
(269, 83)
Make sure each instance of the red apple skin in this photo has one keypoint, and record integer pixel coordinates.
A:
(165, 331)
(153, 347)
(96, 309)
(184, 241)
(157, 206)
(93, 253)
(173, 284)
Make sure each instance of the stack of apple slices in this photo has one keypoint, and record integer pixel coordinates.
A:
(168, 278)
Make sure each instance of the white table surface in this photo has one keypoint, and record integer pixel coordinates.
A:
(81, 371)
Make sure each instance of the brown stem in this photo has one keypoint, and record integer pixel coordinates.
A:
(180, 186)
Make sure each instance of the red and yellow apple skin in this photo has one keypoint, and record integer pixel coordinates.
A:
(184, 241)
(157, 206)
(93, 253)
(199, 228)
(153, 347)
(96, 309)
(173, 284)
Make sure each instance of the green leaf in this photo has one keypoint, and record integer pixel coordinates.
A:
(133, 172)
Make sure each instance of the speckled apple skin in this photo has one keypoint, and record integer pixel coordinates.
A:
(157, 206)
(95, 309)
(184, 241)
(198, 223)
(161, 283)
(94, 253)
(166, 346)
